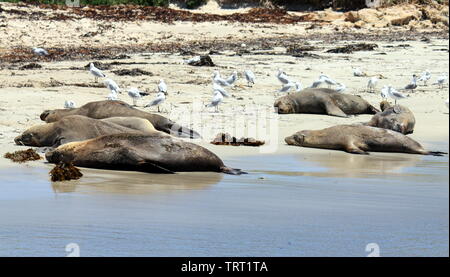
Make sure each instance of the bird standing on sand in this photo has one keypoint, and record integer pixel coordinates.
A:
(330, 82)
(216, 100)
(441, 81)
(96, 72)
(233, 78)
(160, 98)
(162, 87)
(250, 76)
(112, 86)
(113, 96)
(394, 94)
(135, 94)
(286, 88)
(318, 83)
(426, 75)
(371, 85)
(68, 104)
(385, 92)
(219, 80)
(217, 87)
(282, 77)
(40, 51)
(413, 85)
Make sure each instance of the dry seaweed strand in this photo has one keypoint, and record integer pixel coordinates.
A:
(23, 156)
(65, 172)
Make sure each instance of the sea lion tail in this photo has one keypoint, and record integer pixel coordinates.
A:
(436, 153)
(231, 171)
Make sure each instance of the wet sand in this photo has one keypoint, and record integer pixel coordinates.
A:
(289, 205)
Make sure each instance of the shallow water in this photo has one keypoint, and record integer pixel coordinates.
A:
(327, 203)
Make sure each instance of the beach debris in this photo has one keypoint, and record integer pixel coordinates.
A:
(65, 172)
(23, 156)
(348, 49)
(30, 66)
(132, 72)
(227, 139)
(201, 61)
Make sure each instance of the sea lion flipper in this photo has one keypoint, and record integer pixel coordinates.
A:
(232, 171)
(334, 110)
(436, 153)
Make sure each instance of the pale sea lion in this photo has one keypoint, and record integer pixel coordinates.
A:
(397, 118)
(77, 128)
(106, 109)
(358, 139)
(323, 101)
(148, 153)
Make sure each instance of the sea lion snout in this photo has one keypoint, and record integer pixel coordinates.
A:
(24, 139)
(44, 115)
(296, 139)
(56, 156)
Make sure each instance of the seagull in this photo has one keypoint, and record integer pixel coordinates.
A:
(216, 100)
(298, 87)
(233, 78)
(341, 88)
(68, 104)
(250, 76)
(96, 72)
(330, 82)
(413, 85)
(385, 92)
(162, 87)
(371, 85)
(426, 75)
(317, 83)
(111, 85)
(160, 98)
(219, 80)
(40, 51)
(441, 81)
(112, 96)
(394, 94)
(135, 94)
(282, 77)
(358, 73)
(217, 87)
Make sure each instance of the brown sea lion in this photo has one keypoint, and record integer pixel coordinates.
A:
(77, 128)
(323, 101)
(148, 153)
(358, 139)
(397, 118)
(107, 108)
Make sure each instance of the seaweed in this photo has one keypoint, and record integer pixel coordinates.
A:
(132, 72)
(30, 66)
(348, 49)
(65, 172)
(227, 139)
(23, 156)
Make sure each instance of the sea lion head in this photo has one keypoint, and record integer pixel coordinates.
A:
(50, 116)
(38, 136)
(384, 105)
(59, 155)
(284, 105)
(298, 139)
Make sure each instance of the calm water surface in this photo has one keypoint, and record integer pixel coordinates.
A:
(326, 204)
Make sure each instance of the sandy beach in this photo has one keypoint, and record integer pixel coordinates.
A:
(160, 49)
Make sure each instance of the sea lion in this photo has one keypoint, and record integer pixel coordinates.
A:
(148, 153)
(107, 108)
(77, 128)
(358, 139)
(323, 101)
(397, 118)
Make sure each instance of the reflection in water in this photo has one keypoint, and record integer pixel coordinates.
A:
(129, 182)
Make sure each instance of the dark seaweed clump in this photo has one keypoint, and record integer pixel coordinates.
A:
(65, 172)
(23, 156)
(353, 48)
(227, 139)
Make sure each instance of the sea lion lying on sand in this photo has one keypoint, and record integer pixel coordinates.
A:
(323, 101)
(358, 139)
(77, 128)
(149, 153)
(397, 118)
(107, 108)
